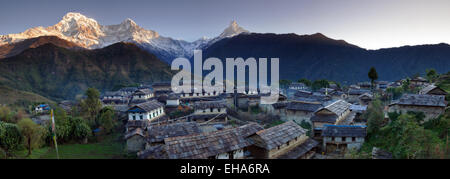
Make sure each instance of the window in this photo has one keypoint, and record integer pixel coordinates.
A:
(134, 117)
(353, 139)
(141, 117)
(332, 138)
(218, 109)
(211, 109)
(343, 139)
(287, 143)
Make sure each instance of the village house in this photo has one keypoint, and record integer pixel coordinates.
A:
(280, 141)
(382, 85)
(162, 88)
(157, 133)
(127, 91)
(135, 140)
(342, 137)
(433, 90)
(431, 105)
(210, 110)
(365, 99)
(354, 94)
(114, 97)
(358, 110)
(172, 100)
(365, 85)
(148, 111)
(332, 113)
(141, 95)
(41, 108)
(228, 143)
(299, 111)
(298, 86)
(418, 81)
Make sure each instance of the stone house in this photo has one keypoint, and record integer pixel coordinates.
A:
(172, 100)
(135, 140)
(228, 143)
(299, 111)
(278, 141)
(298, 86)
(365, 99)
(433, 90)
(418, 81)
(431, 105)
(114, 97)
(342, 137)
(147, 111)
(354, 94)
(141, 95)
(332, 113)
(208, 110)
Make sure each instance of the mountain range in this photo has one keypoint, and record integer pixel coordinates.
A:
(88, 33)
(61, 61)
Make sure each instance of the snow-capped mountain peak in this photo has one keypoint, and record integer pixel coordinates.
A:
(232, 30)
(88, 33)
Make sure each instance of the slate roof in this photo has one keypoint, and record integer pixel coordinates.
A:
(338, 107)
(209, 104)
(324, 118)
(279, 135)
(137, 124)
(153, 152)
(358, 91)
(344, 131)
(300, 150)
(173, 96)
(157, 133)
(303, 106)
(420, 79)
(279, 105)
(368, 95)
(143, 91)
(429, 88)
(128, 89)
(422, 100)
(137, 131)
(112, 93)
(148, 106)
(204, 145)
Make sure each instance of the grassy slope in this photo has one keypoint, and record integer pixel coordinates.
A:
(10, 96)
(110, 148)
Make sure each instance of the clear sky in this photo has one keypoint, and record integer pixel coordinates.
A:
(369, 24)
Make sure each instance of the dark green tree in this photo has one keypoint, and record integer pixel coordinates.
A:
(10, 138)
(373, 75)
(432, 75)
(106, 119)
(305, 81)
(32, 133)
(91, 105)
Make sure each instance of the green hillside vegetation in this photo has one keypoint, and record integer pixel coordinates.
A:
(59, 73)
(9, 96)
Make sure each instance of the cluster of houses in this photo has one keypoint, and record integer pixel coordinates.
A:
(209, 130)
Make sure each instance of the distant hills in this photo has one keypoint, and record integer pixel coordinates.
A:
(319, 57)
(60, 73)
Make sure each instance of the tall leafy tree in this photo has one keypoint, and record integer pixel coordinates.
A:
(91, 105)
(106, 119)
(10, 138)
(32, 133)
(432, 75)
(373, 75)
